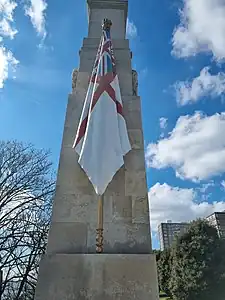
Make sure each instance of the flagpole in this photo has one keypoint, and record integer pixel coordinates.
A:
(99, 230)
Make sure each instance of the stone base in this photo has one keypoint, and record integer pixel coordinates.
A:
(97, 277)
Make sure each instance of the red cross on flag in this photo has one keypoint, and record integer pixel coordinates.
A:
(102, 139)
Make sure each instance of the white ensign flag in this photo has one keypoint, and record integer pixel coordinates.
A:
(102, 139)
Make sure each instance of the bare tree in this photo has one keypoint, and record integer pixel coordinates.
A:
(26, 190)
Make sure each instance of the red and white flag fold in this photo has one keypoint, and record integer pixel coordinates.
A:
(102, 139)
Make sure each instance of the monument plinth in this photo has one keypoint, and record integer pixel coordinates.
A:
(71, 269)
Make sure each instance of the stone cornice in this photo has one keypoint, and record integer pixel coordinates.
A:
(112, 4)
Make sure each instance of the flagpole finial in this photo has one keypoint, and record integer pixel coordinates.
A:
(106, 24)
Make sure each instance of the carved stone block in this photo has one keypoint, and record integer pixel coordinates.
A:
(133, 120)
(117, 186)
(74, 79)
(122, 208)
(140, 210)
(80, 208)
(67, 238)
(121, 237)
(134, 161)
(98, 277)
(135, 82)
(135, 184)
(136, 139)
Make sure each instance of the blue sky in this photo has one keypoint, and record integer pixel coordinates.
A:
(178, 50)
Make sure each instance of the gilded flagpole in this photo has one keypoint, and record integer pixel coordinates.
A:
(99, 230)
(106, 25)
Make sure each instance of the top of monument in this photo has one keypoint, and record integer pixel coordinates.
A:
(116, 4)
(106, 24)
(111, 9)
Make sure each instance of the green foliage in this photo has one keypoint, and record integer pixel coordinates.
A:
(164, 271)
(157, 254)
(198, 264)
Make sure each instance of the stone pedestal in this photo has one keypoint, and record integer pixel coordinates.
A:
(70, 269)
(97, 277)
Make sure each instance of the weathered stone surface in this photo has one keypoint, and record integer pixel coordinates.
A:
(121, 237)
(79, 207)
(70, 174)
(68, 136)
(117, 14)
(82, 85)
(122, 208)
(122, 57)
(67, 238)
(93, 43)
(136, 139)
(134, 161)
(97, 277)
(74, 108)
(131, 103)
(74, 79)
(140, 210)
(81, 190)
(135, 184)
(132, 112)
(125, 81)
(133, 119)
(117, 185)
(135, 82)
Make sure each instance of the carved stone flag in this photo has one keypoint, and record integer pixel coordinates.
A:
(102, 140)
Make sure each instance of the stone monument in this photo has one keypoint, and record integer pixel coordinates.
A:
(71, 269)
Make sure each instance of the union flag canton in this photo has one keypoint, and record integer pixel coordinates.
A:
(106, 58)
(102, 140)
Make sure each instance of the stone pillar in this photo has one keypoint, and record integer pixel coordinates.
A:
(127, 270)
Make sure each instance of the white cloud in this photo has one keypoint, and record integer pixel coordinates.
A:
(203, 85)
(163, 123)
(7, 8)
(8, 64)
(206, 186)
(6, 29)
(131, 29)
(201, 29)
(7, 60)
(36, 11)
(223, 184)
(195, 148)
(176, 204)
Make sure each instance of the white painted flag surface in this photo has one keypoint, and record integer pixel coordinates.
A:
(102, 139)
